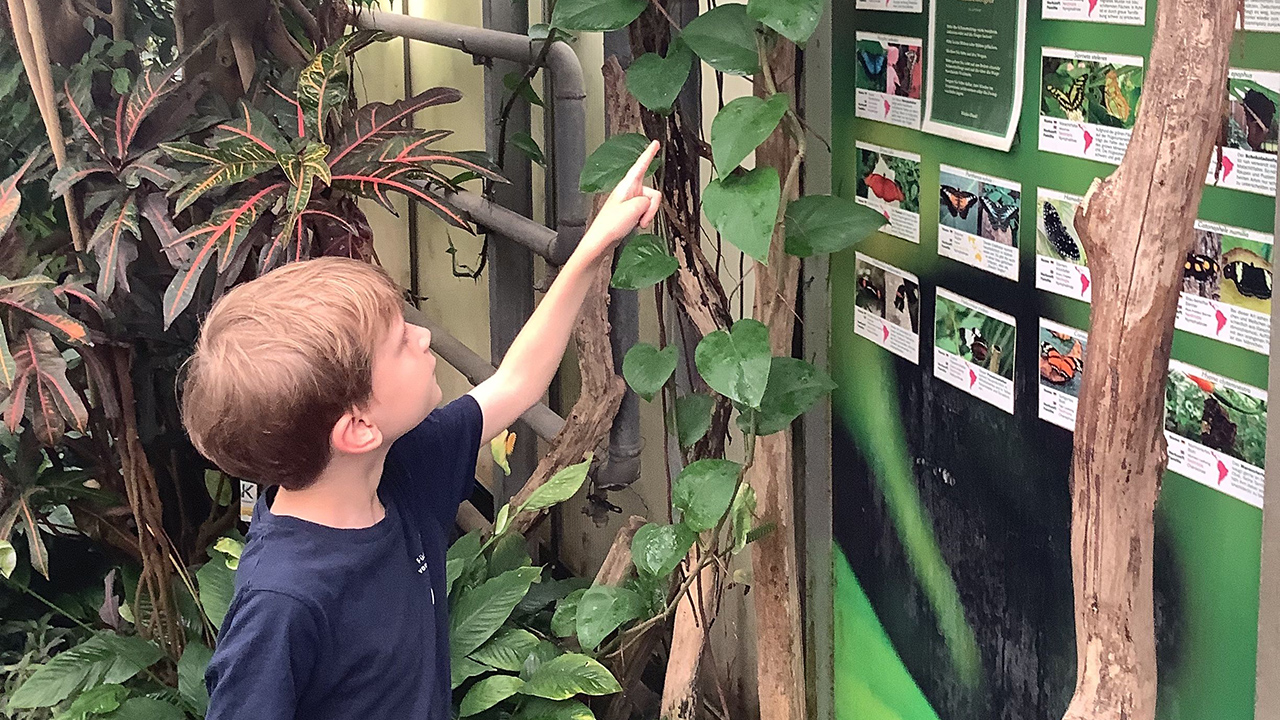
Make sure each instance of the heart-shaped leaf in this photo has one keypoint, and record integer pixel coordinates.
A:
(656, 81)
(693, 418)
(570, 674)
(610, 162)
(646, 368)
(704, 490)
(564, 621)
(736, 363)
(794, 386)
(643, 262)
(725, 38)
(602, 609)
(793, 19)
(741, 126)
(657, 549)
(595, 15)
(818, 224)
(562, 486)
(744, 207)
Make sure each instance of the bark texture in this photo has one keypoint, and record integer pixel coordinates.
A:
(1136, 227)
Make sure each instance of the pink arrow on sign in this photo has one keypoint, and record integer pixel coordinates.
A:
(1088, 139)
(973, 377)
(885, 330)
(1222, 472)
(1084, 284)
(1222, 319)
(886, 108)
(1093, 5)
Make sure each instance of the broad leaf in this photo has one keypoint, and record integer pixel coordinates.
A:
(646, 368)
(145, 708)
(818, 224)
(564, 622)
(302, 169)
(462, 669)
(693, 418)
(704, 490)
(216, 584)
(656, 81)
(114, 244)
(545, 651)
(95, 701)
(509, 551)
(33, 295)
(610, 162)
(42, 373)
(77, 92)
(595, 15)
(66, 178)
(323, 85)
(175, 245)
(377, 122)
(11, 199)
(480, 612)
(568, 675)
(744, 208)
(252, 125)
(562, 486)
(191, 667)
(658, 549)
(543, 709)
(489, 692)
(525, 143)
(794, 386)
(104, 658)
(644, 261)
(603, 609)
(8, 366)
(152, 85)
(507, 650)
(460, 554)
(740, 127)
(742, 514)
(232, 161)
(21, 511)
(725, 38)
(736, 363)
(8, 558)
(519, 84)
(793, 19)
(407, 179)
(549, 591)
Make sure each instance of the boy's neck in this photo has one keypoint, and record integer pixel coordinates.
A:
(345, 495)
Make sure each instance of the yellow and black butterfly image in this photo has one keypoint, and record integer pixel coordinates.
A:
(1201, 268)
(1072, 100)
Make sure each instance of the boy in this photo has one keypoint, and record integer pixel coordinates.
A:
(310, 381)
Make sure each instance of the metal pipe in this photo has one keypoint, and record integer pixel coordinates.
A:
(533, 235)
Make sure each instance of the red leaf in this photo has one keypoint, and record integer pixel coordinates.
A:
(376, 121)
(80, 96)
(10, 199)
(176, 247)
(32, 296)
(114, 243)
(386, 179)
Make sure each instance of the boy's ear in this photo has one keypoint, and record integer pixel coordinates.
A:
(355, 433)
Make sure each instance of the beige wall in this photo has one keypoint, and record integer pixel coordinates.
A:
(461, 305)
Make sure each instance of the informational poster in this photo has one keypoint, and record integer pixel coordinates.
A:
(978, 218)
(1216, 429)
(905, 6)
(1088, 103)
(974, 348)
(1116, 12)
(890, 78)
(1061, 372)
(977, 58)
(1061, 265)
(1262, 15)
(248, 498)
(887, 307)
(1226, 286)
(1248, 160)
(889, 181)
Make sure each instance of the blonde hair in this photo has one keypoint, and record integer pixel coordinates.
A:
(279, 360)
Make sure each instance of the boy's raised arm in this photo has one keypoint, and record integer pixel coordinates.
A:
(532, 360)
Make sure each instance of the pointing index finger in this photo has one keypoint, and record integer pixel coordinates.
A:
(638, 170)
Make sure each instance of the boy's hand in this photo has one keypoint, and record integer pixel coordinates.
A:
(629, 204)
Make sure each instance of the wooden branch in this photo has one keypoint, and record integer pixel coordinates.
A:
(617, 563)
(1136, 228)
(776, 592)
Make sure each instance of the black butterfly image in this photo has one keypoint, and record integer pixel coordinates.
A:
(1002, 217)
(907, 300)
(957, 202)
(1059, 238)
(1073, 99)
(1250, 280)
(979, 348)
(1200, 268)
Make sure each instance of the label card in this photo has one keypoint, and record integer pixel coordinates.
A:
(974, 348)
(978, 219)
(887, 307)
(889, 181)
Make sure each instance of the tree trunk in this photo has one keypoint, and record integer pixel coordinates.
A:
(1136, 227)
(776, 589)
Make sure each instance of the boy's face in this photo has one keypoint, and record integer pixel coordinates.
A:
(405, 390)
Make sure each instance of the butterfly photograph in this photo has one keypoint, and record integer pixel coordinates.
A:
(998, 211)
(869, 290)
(904, 76)
(1061, 360)
(1252, 122)
(888, 181)
(902, 302)
(1090, 92)
(873, 65)
(958, 202)
(1056, 233)
(977, 337)
(1230, 269)
(1204, 410)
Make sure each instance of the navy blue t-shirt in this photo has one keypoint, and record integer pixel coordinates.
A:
(352, 623)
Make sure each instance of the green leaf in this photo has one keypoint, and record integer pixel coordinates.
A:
(489, 692)
(517, 83)
(460, 554)
(8, 558)
(595, 15)
(603, 609)
(217, 584)
(610, 162)
(570, 674)
(114, 244)
(549, 591)
(506, 650)
(744, 208)
(508, 553)
(658, 549)
(543, 709)
(725, 38)
(104, 658)
(793, 19)
(656, 81)
(219, 486)
(693, 417)
(98, 700)
(481, 611)
(565, 620)
(191, 666)
(525, 143)
(463, 668)
(145, 708)
(231, 549)
(234, 160)
(794, 386)
(740, 127)
(643, 262)
(323, 85)
(736, 363)
(646, 368)
(545, 651)
(502, 520)
(562, 486)
(704, 490)
(302, 169)
(819, 224)
(742, 515)
(11, 199)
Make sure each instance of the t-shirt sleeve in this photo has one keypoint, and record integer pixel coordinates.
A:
(439, 458)
(266, 651)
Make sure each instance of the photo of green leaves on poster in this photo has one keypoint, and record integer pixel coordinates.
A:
(975, 336)
(1216, 416)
